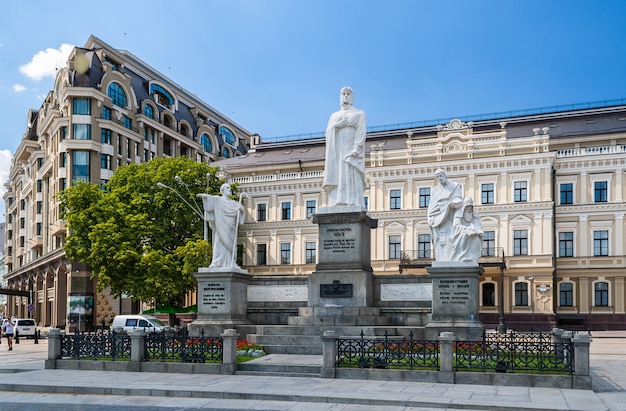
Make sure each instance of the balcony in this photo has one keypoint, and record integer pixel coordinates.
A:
(489, 257)
(591, 151)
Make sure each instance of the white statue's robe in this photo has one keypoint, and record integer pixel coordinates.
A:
(223, 215)
(344, 174)
(466, 236)
(440, 215)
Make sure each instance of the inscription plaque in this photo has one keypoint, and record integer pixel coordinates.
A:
(336, 290)
(214, 296)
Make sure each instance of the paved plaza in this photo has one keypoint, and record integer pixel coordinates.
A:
(26, 385)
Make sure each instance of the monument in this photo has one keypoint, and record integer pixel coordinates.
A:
(457, 241)
(223, 286)
(343, 276)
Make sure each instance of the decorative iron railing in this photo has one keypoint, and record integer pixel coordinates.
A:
(388, 352)
(182, 348)
(511, 352)
(99, 345)
(515, 352)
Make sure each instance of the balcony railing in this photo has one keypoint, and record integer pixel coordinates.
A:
(489, 257)
(591, 151)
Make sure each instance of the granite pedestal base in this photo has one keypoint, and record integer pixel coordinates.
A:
(222, 301)
(455, 301)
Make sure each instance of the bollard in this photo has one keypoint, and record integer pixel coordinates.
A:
(17, 336)
(36, 336)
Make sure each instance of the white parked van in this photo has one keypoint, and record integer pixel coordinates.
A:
(131, 322)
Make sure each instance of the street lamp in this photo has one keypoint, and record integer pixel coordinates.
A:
(196, 209)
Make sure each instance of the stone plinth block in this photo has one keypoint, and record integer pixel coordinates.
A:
(345, 240)
(455, 300)
(222, 296)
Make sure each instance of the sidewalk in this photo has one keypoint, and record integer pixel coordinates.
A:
(25, 385)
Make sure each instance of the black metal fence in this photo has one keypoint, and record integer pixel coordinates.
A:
(388, 352)
(166, 346)
(180, 347)
(513, 352)
(98, 345)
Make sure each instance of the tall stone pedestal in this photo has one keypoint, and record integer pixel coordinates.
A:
(455, 301)
(343, 275)
(222, 301)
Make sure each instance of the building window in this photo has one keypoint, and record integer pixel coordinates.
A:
(62, 184)
(39, 229)
(395, 199)
(567, 193)
(205, 142)
(423, 246)
(225, 152)
(117, 94)
(106, 113)
(285, 253)
(311, 207)
(487, 194)
(63, 133)
(489, 244)
(39, 207)
(105, 161)
(521, 294)
(128, 123)
(81, 106)
(600, 243)
(520, 242)
(39, 186)
(105, 136)
(366, 200)
(286, 210)
(311, 253)
(103, 183)
(566, 295)
(520, 191)
(146, 156)
(261, 254)
(489, 295)
(81, 131)
(424, 197)
(601, 294)
(228, 135)
(394, 247)
(80, 165)
(148, 111)
(566, 244)
(22, 222)
(600, 192)
(261, 212)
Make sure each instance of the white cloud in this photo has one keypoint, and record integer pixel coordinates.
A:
(18, 88)
(45, 63)
(5, 165)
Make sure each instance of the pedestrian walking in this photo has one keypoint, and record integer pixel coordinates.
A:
(9, 329)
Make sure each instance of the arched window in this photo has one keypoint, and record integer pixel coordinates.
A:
(229, 137)
(205, 141)
(148, 111)
(117, 94)
(225, 153)
(161, 96)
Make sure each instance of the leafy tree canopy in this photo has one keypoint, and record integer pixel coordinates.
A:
(140, 238)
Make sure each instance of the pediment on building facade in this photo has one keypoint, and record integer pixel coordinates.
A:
(394, 225)
(521, 219)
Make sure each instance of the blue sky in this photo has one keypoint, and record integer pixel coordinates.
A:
(276, 66)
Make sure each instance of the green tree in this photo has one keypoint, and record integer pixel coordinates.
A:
(140, 238)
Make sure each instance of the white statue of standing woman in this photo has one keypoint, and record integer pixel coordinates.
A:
(344, 172)
(224, 215)
(445, 199)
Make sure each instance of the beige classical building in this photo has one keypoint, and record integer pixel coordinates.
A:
(549, 187)
(108, 108)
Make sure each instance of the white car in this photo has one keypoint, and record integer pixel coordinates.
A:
(25, 327)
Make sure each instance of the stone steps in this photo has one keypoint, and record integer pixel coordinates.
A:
(279, 370)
